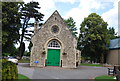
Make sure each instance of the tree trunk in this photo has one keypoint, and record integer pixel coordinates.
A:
(21, 50)
(21, 43)
(102, 58)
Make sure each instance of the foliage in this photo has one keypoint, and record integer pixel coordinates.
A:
(10, 51)
(26, 53)
(93, 38)
(30, 46)
(20, 76)
(9, 70)
(71, 25)
(105, 78)
(111, 32)
(28, 11)
(97, 65)
(24, 61)
(10, 25)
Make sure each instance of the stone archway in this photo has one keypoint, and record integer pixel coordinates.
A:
(53, 53)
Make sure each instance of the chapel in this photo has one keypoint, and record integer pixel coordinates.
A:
(54, 44)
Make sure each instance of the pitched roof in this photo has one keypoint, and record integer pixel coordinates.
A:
(56, 12)
(115, 44)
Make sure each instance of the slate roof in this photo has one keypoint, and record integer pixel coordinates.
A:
(115, 44)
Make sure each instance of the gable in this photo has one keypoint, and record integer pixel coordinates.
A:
(55, 19)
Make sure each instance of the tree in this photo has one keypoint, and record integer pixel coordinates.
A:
(71, 25)
(30, 46)
(26, 53)
(10, 26)
(111, 32)
(94, 38)
(28, 11)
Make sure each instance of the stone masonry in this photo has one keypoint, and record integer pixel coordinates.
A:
(69, 55)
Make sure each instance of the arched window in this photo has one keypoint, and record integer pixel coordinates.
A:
(54, 44)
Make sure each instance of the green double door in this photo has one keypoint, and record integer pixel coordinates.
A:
(53, 57)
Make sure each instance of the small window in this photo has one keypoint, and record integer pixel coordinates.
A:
(55, 29)
(55, 18)
(54, 44)
(77, 56)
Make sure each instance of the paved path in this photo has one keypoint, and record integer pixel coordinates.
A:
(82, 72)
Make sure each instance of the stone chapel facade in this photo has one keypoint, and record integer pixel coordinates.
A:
(54, 44)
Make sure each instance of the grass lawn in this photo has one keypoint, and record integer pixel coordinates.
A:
(24, 61)
(105, 78)
(97, 65)
(20, 76)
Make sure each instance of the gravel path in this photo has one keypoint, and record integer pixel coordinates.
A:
(82, 72)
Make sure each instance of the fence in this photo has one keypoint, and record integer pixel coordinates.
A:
(118, 74)
(111, 71)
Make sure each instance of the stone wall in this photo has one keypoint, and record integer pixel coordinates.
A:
(113, 57)
(64, 36)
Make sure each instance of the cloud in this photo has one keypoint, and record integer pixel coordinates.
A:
(86, 7)
(67, 1)
(47, 7)
(111, 16)
(82, 11)
(78, 15)
(89, 4)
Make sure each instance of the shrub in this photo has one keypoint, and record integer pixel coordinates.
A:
(9, 70)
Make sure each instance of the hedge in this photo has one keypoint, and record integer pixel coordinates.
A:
(9, 70)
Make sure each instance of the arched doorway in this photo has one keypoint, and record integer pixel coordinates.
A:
(53, 53)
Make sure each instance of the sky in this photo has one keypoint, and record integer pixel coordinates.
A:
(79, 9)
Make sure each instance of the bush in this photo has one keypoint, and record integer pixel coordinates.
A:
(9, 70)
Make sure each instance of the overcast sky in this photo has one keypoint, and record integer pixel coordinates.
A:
(79, 9)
